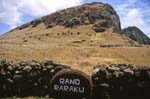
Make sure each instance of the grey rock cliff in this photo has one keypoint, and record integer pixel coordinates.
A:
(136, 34)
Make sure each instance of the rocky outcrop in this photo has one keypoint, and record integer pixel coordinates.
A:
(121, 82)
(98, 14)
(136, 34)
(27, 78)
(101, 16)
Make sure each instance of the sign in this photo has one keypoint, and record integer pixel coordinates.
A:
(69, 83)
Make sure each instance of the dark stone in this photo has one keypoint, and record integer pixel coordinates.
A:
(10, 81)
(128, 71)
(148, 73)
(10, 68)
(50, 26)
(27, 68)
(47, 62)
(122, 68)
(17, 77)
(112, 68)
(69, 83)
(125, 65)
(36, 22)
(3, 73)
(23, 26)
(101, 23)
(100, 91)
(72, 23)
(23, 63)
(101, 29)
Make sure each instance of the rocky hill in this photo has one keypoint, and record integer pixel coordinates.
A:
(136, 34)
(82, 23)
(79, 36)
(100, 16)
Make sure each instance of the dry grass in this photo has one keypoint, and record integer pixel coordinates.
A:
(82, 58)
(77, 47)
(78, 50)
(76, 56)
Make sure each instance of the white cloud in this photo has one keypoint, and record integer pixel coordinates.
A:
(43, 7)
(11, 11)
(134, 13)
(133, 17)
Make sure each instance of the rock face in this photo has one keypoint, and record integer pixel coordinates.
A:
(136, 34)
(100, 16)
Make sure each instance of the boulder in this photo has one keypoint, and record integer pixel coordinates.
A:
(70, 83)
(27, 68)
(71, 23)
(112, 68)
(10, 68)
(128, 71)
(100, 29)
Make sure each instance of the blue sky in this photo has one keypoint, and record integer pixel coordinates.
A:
(16, 12)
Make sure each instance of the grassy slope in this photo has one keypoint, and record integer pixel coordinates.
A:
(67, 46)
(81, 51)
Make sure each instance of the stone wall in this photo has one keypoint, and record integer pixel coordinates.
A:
(32, 78)
(121, 82)
(26, 78)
